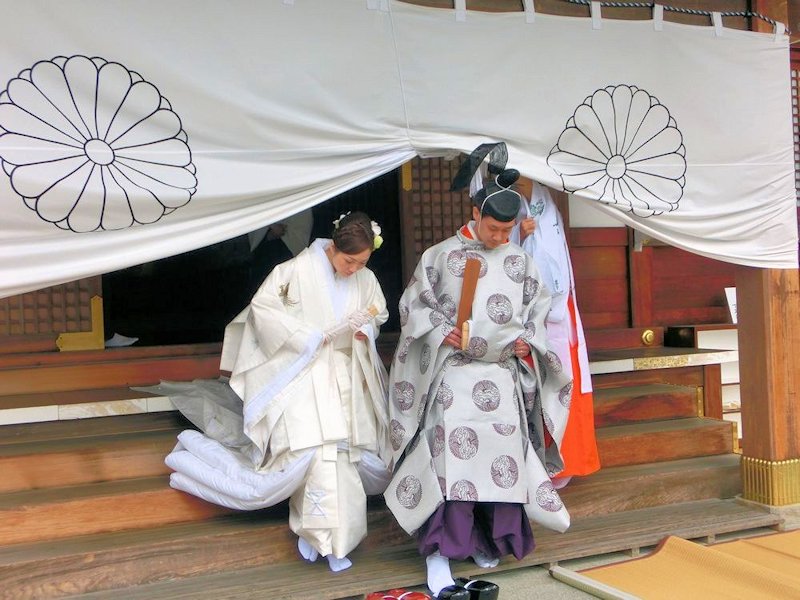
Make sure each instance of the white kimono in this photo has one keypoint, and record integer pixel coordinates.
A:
(470, 425)
(548, 247)
(314, 413)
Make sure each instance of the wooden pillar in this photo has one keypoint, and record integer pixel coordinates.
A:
(768, 303)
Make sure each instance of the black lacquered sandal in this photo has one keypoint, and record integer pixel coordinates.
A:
(453, 592)
(479, 589)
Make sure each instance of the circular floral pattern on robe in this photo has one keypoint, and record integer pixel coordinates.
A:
(403, 315)
(464, 490)
(547, 497)
(397, 433)
(530, 332)
(499, 308)
(553, 362)
(536, 207)
(507, 352)
(514, 266)
(403, 395)
(409, 492)
(437, 447)
(530, 289)
(425, 357)
(402, 350)
(444, 396)
(456, 261)
(90, 145)
(621, 146)
(436, 317)
(463, 442)
(504, 428)
(433, 275)
(565, 395)
(428, 298)
(486, 395)
(447, 305)
(458, 359)
(477, 347)
(505, 472)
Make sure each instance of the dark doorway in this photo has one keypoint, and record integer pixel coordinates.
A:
(191, 297)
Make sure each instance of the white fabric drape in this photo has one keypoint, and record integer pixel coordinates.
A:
(134, 131)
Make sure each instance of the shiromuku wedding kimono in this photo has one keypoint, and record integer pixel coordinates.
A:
(478, 425)
(311, 422)
(548, 247)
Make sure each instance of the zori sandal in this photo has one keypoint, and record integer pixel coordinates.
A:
(453, 592)
(479, 589)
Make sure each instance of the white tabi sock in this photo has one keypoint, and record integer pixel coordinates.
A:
(338, 564)
(307, 551)
(439, 575)
(483, 561)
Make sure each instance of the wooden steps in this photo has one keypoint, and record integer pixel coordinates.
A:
(27, 433)
(57, 513)
(632, 487)
(121, 559)
(237, 560)
(88, 460)
(24, 376)
(86, 507)
(616, 406)
(48, 455)
(655, 441)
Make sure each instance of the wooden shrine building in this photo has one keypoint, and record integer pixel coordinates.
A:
(85, 504)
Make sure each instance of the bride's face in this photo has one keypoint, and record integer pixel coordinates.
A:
(347, 264)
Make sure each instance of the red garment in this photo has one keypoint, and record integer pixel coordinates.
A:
(579, 446)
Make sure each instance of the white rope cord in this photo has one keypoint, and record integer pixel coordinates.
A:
(687, 11)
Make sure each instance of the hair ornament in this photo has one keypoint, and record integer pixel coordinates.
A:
(377, 240)
(341, 216)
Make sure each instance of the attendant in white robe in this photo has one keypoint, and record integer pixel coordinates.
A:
(303, 362)
(540, 231)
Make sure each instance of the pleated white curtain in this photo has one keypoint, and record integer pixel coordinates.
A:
(131, 131)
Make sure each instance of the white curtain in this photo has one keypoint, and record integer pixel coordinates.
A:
(131, 131)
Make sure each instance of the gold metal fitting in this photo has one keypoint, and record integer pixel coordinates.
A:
(776, 483)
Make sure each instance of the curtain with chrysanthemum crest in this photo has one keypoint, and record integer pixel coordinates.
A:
(125, 139)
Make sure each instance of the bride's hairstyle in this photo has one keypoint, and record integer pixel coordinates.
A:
(353, 233)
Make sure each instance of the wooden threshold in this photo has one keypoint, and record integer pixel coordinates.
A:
(403, 567)
(107, 355)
